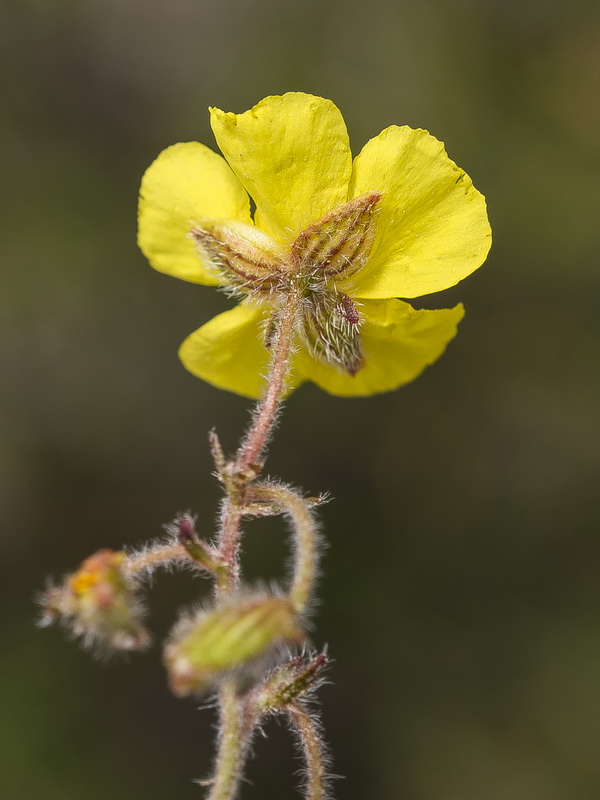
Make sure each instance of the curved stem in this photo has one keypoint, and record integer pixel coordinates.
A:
(306, 539)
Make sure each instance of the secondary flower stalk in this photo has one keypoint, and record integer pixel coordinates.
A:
(305, 537)
(233, 744)
(308, 731)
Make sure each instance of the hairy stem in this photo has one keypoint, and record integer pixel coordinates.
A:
(312, 746)
(154, 557)
(232, 746)
(252, 449)
(235, 730)
(229, 544)
(246, 465)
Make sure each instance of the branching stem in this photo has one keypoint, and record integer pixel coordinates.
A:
(234, 730)
(247, 464)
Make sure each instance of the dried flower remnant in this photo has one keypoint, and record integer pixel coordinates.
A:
(99, 602)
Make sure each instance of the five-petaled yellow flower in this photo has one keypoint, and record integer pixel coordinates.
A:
(401, 220)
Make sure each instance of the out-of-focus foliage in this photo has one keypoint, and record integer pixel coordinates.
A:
(461, 597)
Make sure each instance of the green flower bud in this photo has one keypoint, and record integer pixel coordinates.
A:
(217, 643)
(288, 682)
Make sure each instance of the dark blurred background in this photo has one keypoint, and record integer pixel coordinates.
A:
(461, 594)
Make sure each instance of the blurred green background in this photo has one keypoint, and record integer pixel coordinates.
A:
(461, 594)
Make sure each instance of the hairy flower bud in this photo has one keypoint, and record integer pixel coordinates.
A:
(288, 682)
(227, 639)
(99, 603)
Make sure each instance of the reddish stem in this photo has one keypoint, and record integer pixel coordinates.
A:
(247, 463)
(252, 448)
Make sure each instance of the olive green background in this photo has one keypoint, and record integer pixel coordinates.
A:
(461, 588)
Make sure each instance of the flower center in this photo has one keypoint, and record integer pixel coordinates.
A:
(250, 263)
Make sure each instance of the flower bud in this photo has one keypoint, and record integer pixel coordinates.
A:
(183, 530)
(221, 642)
(290, 681)
(99, 603)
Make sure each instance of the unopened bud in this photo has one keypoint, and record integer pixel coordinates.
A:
(99, 603)
(289, 682)
(228, 639)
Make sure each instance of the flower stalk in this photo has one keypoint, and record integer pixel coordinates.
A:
(305, 535)
(232, 746)
(281, 344)
(147, 560)
(234, 736)
(311, 742)
(247, 465)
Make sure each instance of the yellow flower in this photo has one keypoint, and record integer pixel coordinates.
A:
(401, 220)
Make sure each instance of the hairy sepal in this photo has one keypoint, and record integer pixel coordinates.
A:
(338, 244)
(244, 258)
(330, 329)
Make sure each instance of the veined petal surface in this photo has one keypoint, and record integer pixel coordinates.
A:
(398, 342)
(228, 351)
(185, 184)
(432, 225)
(292, 154)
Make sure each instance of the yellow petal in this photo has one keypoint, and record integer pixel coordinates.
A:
(432, 228)
(228, 351)
(292, 154)
(398, 342)
(186, 183)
